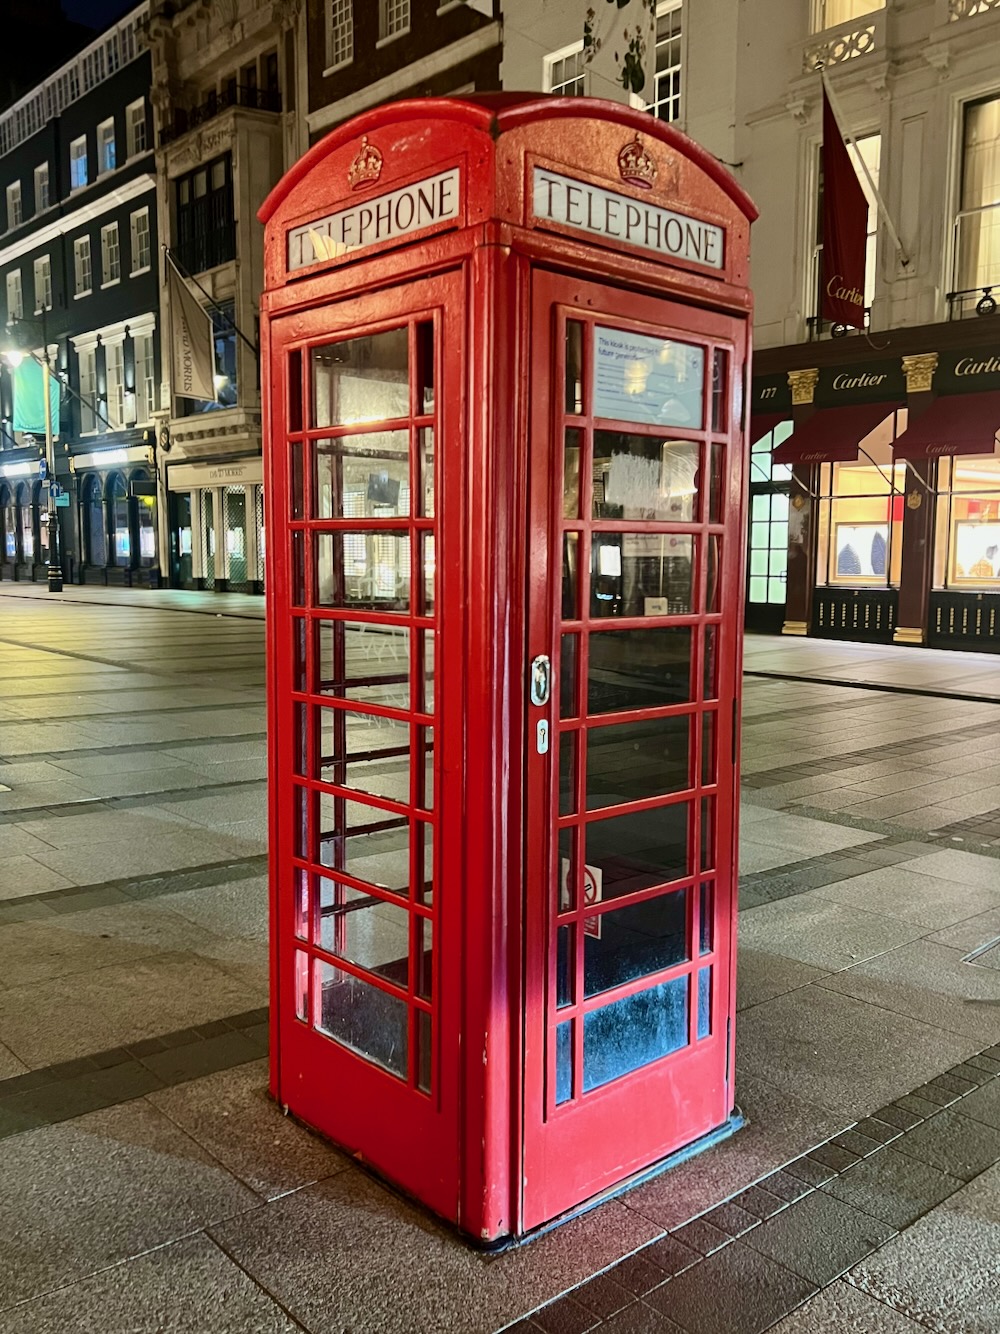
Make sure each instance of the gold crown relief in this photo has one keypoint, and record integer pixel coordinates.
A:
(636, 166)
(366, 167)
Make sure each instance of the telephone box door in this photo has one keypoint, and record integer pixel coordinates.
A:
(364, 404)
(634, 599)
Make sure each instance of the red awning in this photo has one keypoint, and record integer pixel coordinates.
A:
(833, 435)
(762, 422)
(953, 424)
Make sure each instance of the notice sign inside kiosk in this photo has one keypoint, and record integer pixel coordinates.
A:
(643, 379)
(616, 217)
(413, 208)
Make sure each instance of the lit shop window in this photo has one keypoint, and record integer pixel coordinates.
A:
(830, 13)
(967, 536)
(861, 515)
(977, 226)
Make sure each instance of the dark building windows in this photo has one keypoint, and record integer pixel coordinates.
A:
(206, 227)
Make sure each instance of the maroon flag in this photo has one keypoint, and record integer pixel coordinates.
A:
(845, 226)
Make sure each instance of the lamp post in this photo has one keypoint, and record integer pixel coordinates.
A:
(14, 359)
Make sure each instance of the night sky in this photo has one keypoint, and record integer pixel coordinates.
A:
(97, 14)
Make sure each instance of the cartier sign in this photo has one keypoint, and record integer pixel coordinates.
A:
(388, 217)
(615, 217)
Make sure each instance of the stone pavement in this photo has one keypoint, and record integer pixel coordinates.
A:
(146, 1182)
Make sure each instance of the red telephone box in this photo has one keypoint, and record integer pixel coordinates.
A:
(505, 344)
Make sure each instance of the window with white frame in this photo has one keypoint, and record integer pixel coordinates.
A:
(666, 103)
(87, 363)
(78, 163)
(139, 230)
(563, 72)
(394, 18)
(145, 379)
(114, 366)
(869, 149)
(15, 213)
(135, 127)
(43, 284)
(15, 298)
(83, 276)
(831, 13)
(339, 33)
(111, 264)
(977, 226)
(105, 147)
(42, 199)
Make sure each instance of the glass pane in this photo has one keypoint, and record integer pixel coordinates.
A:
(642, 379)
(295, 390)
(302, 985)
(425, 851)
(633, 669)
(361, 380)
(567, 773)
(425, 957)
(381, 857)
(429, 565)
(704, 1002)
(362, 476)
(568, 676)
(366, 931)
(717, 456)
(759, 508)
(360, 1016)
(425, 447)
(627, 943)
(574, 366)
(634, 1031)
(298, 503)
(709, 850)
(298, 654)
(345, 736)
(425, 768)
(640, 574)
(425, 1051)
(571, 473)
(300, 739)
(627, 853)
(356, 569)
(301, 818)
(571, 577)
(564, 1062)
(298, 566)
(631, 761)
(710, 665)
(708, 766)
(720, 389)
(706, 917)
(301, 885)
(567, 869)
(565, 965)
(758, 562)
(712, 589)
(758, 590)
(425, 367)
(427, 659)
(379, 776)
(644, 477)
(361, 661)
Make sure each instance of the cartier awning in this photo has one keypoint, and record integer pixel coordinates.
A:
(953, 424)
(762, 422)
(833, 435)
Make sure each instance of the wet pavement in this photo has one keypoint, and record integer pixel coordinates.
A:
(147, 1183)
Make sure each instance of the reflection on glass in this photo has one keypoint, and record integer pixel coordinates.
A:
(300, 736)
(427, 658)
(632, 761)
(361, 380)
(363, 569)
(642, 379)
(567, 773)
(565, 966)
(632, 942)
(712, 590)
(425, 367)
(567, 870)
(349, 843)
(574, 367)
(425, 1051)
(709, 850)
(425, 957)
(634, 1031)
(365, 931)
(645, 477)
(704, 1002)
(302, 985)
(301, 803)
(571, 473)
(362, 476)
(425, 449)
(301, 890)
(359, 660)
(568, 646)
(344, 736)
(363, 1018)
(425, 855)
(716, 481)
(298, 500)
(705, 917)
(299, 653)
(631, 669)
(640, 574)
(425, 746)
(720, 389)
(711, 665)
(298, 569)
(571, 577)
(564, 1062)
(429, 565)
(295, 390)
(639, 850)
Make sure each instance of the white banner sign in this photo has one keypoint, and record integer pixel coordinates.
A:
(618, 218)
(383, 218)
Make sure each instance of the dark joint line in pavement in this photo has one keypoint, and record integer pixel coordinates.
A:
(878, 687)
(82, 804)
(134, 747)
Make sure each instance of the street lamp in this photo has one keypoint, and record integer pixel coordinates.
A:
(14, 359)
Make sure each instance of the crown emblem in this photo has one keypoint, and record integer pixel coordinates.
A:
(366, 167)
(636, 166)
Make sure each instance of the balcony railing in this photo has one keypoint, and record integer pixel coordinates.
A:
(968, 9)
(238, 95)
(847, 41)
(973, 301)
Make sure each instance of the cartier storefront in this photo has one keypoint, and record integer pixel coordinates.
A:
(875, 488)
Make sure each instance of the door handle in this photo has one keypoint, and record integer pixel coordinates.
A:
(540, 680)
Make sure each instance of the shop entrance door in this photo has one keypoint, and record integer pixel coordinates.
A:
(366, 724)
(633, 640)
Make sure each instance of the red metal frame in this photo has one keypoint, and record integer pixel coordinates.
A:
(488, 1148)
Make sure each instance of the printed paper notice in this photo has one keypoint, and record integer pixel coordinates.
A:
(652, 380)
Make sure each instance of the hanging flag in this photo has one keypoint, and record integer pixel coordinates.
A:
(845, 227)
(29, 398)
(192, 354)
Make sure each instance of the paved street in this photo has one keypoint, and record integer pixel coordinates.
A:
(147, 1184)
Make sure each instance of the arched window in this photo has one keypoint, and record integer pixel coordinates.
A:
(117, 494)
(25, 524)
(94, 534)
(145, 507)
(8, 527)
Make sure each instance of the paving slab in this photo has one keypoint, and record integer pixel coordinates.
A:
(815, 930)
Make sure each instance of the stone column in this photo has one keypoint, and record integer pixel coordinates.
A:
(801, 577)
(916, 571)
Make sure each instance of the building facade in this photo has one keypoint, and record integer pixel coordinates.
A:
(78, 283)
